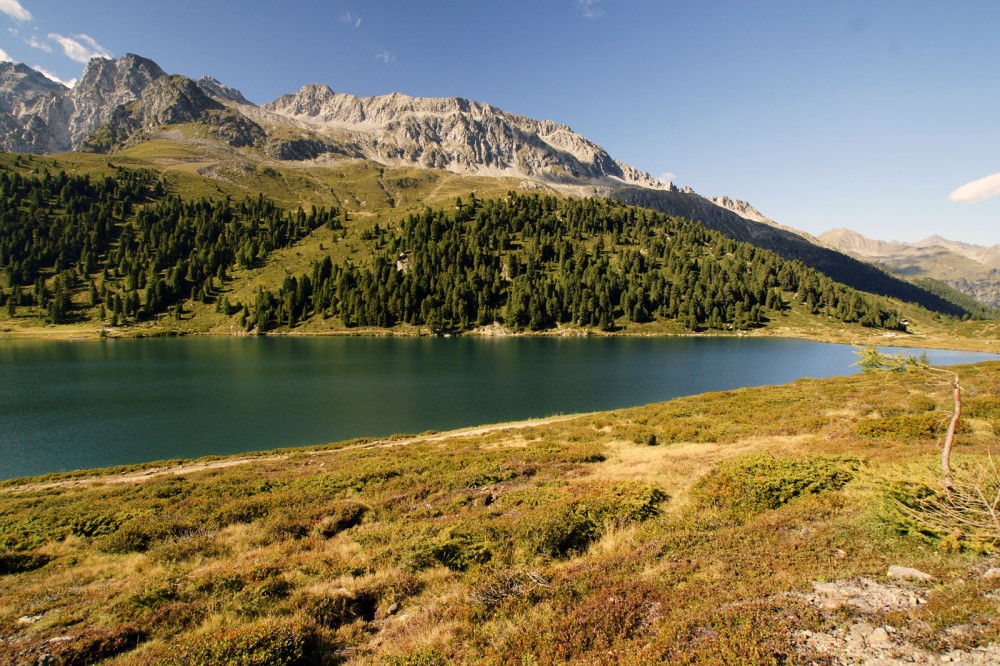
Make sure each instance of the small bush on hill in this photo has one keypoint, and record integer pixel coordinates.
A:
(342, 515)
(906, 427)
(12, 563)
(139, 534)
(265, 643)
(746, 486)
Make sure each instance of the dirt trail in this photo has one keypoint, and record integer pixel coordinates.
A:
(191, 467)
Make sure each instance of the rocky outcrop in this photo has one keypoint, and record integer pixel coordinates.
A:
(104, 89)
(34, 112)
(115, 102)
(221, 93)
(741, 208)
(308, 148)
(172, 100)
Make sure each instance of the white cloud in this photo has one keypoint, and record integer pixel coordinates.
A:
(590, 9)
(13, 9)
(4, 57)
(52, 77)
(977, 190)
(350, 19)
(386, 56)
(666, 177)
(80, 47)
(35, 44)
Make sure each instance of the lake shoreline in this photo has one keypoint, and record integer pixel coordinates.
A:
(852, 337)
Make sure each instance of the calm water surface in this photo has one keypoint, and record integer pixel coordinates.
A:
(74, 405)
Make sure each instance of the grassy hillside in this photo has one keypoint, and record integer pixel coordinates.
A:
(752, 526)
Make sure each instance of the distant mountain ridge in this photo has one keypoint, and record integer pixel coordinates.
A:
(971, 269)
(128, 100)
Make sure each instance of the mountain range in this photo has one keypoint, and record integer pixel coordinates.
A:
(971, 269)
(130, 100)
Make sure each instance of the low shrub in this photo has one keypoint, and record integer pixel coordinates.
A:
(582, 630)
(265, 643)
(750, 485)
(984, 407)
(242, 510)
(489, 475)
(496, 587)
(338, 608)
(902, 427)
(96, 525)
(12, 563)
(563, 523)
(567, 530)
(636, 434)
(96, 645)
(341, 516)
(187, 547)
(626, 502)
(458, 549)
(260, 597)
(139, 534)
(426, 656)
(283, 527)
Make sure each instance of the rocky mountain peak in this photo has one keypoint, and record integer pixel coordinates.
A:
(457, 134)
(105, 86)
(18, 81)
(118, 99)
(307, 101)
(129, 73)
(33, 110)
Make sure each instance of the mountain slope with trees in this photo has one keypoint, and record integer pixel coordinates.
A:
(535, 262)
(121, 250)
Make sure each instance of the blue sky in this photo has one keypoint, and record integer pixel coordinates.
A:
(870, 115)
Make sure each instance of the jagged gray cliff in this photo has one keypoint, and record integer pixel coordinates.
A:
(117, 101)
(456, 134)
(34, 111)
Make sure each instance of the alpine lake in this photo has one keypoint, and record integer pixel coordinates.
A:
(78, 405)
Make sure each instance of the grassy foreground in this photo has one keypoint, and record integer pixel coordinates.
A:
(751, 526)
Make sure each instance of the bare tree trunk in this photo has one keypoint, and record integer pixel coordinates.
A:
(949, 438)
